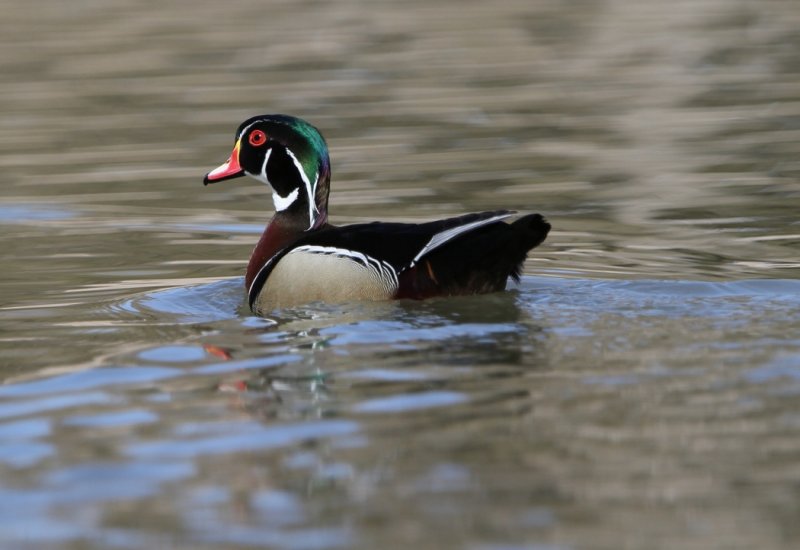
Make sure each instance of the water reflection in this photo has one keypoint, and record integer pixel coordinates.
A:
(320, 409)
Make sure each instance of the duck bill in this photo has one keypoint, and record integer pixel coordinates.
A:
(229, 170)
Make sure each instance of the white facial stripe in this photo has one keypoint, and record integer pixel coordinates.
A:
(241, 135)
(310, 190)
(282, 203)
(262, 177)
(314, 191)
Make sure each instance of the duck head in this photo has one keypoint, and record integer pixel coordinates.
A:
(290, 156)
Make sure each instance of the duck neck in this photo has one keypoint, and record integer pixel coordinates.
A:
(291, 221)
(282, 231)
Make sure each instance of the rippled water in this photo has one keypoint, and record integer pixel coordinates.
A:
(638, 389)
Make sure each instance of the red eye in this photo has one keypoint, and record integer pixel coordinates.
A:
(257, 138)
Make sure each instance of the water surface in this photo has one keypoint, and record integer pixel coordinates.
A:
(638, 389)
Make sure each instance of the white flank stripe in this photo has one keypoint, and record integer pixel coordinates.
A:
(310, 190)
(440, 238)
(282, 203)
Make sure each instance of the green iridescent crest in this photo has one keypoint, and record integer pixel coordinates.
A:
(298, 136)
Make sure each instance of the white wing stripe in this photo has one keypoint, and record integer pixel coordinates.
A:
(448, 234)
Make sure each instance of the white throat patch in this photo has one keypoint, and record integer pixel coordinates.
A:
(282, 203)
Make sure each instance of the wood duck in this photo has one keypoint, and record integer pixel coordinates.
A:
(301, 258)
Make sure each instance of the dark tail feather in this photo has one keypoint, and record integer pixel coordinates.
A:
(531, 231)
(476, 262)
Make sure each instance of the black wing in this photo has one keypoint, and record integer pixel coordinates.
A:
(401, 245)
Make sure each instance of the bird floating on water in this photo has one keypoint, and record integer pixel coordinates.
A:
(301, 258)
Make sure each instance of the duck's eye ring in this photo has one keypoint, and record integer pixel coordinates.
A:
(257, 138)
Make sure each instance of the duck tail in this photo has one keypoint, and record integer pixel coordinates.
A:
(531, 231)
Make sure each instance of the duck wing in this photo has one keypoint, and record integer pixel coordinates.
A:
(462, 255)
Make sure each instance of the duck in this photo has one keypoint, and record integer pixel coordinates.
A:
(301, 258)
